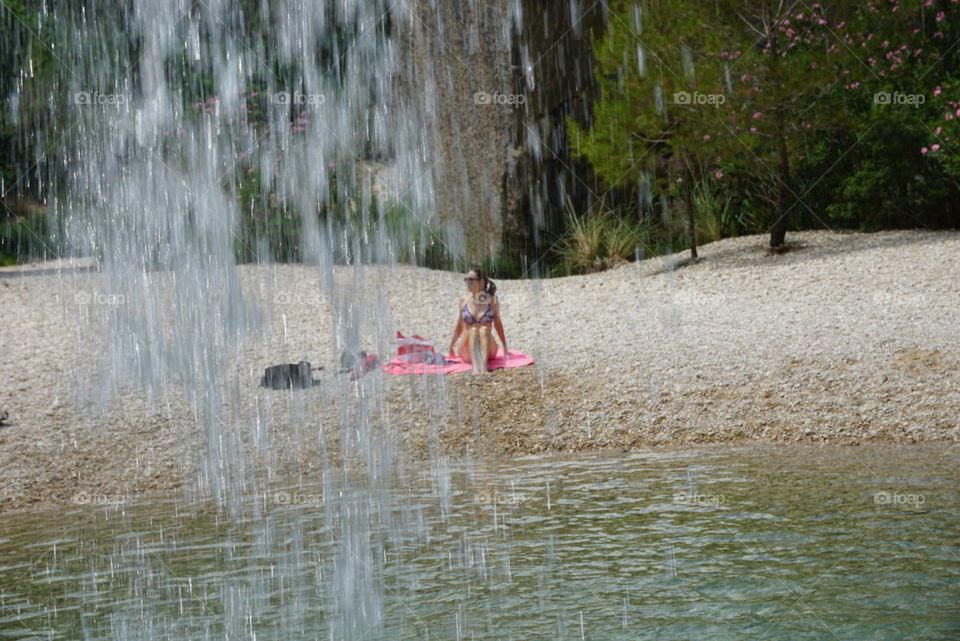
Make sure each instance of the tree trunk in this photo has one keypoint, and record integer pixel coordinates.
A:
(691, 217)
(778, 232)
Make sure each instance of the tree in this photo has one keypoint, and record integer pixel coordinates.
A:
(664, 101)
(789, 86)
(750, 83)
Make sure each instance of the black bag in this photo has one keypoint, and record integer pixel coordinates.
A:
(288, 376)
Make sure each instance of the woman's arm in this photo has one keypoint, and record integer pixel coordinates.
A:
(495, 303)
(456, 331)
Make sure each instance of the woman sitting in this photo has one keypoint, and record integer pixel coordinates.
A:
(477, 312)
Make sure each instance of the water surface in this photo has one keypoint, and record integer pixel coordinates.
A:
(732, 544)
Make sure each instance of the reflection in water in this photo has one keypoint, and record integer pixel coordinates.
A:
(759, 543)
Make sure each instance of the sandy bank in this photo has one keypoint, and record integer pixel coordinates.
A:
(849, 339)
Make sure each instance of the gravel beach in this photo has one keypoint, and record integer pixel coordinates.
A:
(847, 339)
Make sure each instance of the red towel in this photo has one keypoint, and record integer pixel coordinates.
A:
(399, 367)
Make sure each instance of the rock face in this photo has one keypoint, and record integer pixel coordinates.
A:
(492, 82)
(458, 66)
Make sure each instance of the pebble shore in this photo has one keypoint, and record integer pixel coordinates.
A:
(847, 339)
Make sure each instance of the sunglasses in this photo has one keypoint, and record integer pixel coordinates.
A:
(470, 279)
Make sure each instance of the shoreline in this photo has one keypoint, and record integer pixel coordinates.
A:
(850, 339)
(312, 483)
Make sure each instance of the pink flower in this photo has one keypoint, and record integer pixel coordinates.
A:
(934, 147)
(706, 137)
(940, 16)
(756, 115)
(923, 151)
(753, 130)
(937, 90)
(939, 129)
(718, 174)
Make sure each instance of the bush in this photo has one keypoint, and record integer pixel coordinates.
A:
(23, 234)
(596, 242)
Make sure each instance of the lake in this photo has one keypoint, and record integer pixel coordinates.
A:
(751, 543)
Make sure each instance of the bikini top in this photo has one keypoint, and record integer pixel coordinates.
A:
(485, 319)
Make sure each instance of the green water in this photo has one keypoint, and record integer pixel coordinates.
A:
(732, 544)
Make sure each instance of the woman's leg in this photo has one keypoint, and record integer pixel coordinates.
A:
(492, 348)
(465, 349)
(483, 338)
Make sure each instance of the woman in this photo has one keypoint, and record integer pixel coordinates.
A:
(477, 312)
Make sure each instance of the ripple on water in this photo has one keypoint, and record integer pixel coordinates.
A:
(753, 543)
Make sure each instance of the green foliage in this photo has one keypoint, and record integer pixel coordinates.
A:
(716, 218)
(600, 240)
(266, 224)
(799, 86)
(662, 91)
(23, 233)
(407, 238)
(756, 73)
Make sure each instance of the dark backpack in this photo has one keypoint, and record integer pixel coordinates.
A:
(288, 376)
